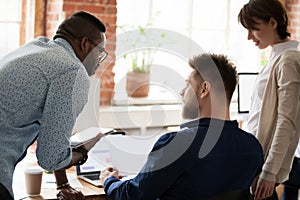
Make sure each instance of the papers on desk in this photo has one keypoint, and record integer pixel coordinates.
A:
(50, 182)
(126, 153)
(87, 135)
(129, 153)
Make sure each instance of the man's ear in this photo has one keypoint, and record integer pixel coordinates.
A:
(84, 44)
(204, 89)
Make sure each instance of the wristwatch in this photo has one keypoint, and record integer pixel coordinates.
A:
(84, 153)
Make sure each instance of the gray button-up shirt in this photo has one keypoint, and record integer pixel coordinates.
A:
(43, 88)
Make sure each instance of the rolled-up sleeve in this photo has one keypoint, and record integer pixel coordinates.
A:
(66, 96)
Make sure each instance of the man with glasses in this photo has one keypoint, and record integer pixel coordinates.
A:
(43, 87)
(102, 52)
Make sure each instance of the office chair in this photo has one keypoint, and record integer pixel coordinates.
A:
(243, 194)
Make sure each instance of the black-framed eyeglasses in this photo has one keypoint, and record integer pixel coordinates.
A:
(102, 52)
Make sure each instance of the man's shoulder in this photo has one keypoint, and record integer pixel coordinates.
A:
(185, 134)
(42, 39)
(249, 139)
(164, 140)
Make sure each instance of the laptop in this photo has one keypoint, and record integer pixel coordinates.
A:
(98, 159)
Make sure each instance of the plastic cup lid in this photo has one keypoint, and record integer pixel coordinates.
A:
(33, 170)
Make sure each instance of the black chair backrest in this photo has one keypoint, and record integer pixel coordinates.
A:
(234, 195)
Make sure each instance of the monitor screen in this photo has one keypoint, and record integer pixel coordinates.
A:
(245, 89)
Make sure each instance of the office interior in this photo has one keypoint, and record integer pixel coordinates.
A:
(203, 25)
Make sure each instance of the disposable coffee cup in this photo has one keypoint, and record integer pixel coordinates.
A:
(33, 180)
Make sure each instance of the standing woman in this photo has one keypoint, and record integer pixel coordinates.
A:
(274, 116)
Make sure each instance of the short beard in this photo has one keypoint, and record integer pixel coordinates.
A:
(191, 109)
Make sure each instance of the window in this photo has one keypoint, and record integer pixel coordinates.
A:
(16, 28)
(10, 21)
(201, 22)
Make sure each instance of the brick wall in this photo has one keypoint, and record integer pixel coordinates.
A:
(53, 16)
(106, 11)
(293, 10)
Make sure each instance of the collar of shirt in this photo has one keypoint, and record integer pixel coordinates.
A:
(277, 50)
(280, 47)
(206, 122)
(66, 45)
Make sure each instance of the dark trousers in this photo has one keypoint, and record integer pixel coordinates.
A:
(291, 186)
(4, 194)
(273, 197)
(290, 193)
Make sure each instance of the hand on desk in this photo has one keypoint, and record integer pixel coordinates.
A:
(69, 193)
(108, 172)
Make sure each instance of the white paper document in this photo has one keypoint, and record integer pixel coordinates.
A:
(129, 153)
(87, 135)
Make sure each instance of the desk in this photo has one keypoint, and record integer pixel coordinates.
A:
(90, 192)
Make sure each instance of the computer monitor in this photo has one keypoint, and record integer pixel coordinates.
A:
(245, 89)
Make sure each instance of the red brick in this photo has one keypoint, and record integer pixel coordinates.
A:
(91, 8)
(69, 7)
(110, 10)
(53, 17)
(54, 7)
(292, 2)
(108, 2)
(110, 19)
(74, 1)
(110, 29)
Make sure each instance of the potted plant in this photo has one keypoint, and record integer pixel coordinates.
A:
(141, 57)
(138, 76)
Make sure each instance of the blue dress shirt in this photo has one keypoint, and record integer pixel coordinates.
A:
(188, 165)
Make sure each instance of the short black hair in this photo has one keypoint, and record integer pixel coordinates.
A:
(92, 19)
(264, 10)
(211, 67)
(81, 24)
